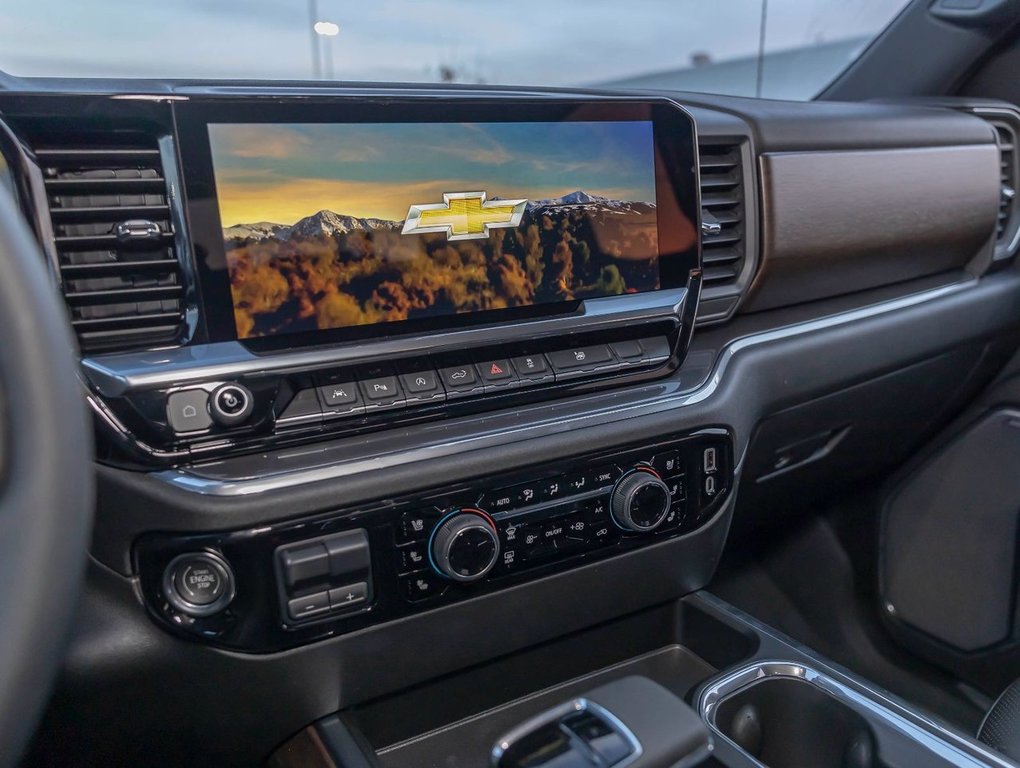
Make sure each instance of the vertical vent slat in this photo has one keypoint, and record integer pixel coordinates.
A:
(722, 204)
(113, 237)
(1006, 138)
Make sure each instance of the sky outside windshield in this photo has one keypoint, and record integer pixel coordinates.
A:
(544, 42)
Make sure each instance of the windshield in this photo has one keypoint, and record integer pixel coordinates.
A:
(772, 48)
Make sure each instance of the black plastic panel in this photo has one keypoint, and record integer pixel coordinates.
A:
(287, 409)
(549, 519)
(949, 539)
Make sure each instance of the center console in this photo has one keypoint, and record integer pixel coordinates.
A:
(689, 683)
(252, 276)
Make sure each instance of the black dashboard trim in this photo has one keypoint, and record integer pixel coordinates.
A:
(787, 365)
(216, 480)
(113, 375)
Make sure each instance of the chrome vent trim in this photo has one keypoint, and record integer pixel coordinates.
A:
(723, 246)
(1006, 124)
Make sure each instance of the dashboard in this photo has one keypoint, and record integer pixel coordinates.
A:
(375, 370)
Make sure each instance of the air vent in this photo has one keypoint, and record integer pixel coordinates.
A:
(114, 243)
(1006, 136)
(722, 213)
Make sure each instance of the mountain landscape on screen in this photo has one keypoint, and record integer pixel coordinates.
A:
(333, 225)
(332, 270)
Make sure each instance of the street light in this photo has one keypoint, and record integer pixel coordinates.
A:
(329, 30)
(326, 28)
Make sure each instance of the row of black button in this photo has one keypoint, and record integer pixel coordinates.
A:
(328, 574)
(417, 581)
(575, 529)
(549, 489)
(338, 599)
(561, 530)
(566, 531)
(382, 387)
(669, 464)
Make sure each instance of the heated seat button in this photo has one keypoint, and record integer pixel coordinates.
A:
(350, 596)
(677, 488)
(412, 558)
(668, 463)
(188, 410)
(306, 607)
(673, 518)
(416, 526)
(422, 586)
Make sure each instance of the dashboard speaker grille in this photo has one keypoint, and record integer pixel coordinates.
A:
(722, 210)
(113, 236)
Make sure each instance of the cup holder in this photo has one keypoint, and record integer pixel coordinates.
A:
(787, 715)
(785, 722)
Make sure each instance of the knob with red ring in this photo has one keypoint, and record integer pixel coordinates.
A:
(464, 546)
(640, 500)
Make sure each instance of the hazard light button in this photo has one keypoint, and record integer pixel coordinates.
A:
(497, 373)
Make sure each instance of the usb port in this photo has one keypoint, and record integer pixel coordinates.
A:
(711, 463)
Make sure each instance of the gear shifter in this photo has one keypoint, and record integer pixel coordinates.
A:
(630, 723)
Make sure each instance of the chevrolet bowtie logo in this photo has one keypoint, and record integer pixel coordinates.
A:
(464, 216)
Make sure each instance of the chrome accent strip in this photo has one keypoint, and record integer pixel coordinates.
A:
(926, 732)
(182, 248)
(190, 480)
(113, 375)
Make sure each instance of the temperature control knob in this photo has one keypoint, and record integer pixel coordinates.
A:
(465, 545)
(640, 501)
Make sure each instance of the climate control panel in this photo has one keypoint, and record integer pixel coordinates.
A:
(344, 570)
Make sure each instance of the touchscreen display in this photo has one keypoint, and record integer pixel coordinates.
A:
(330, 226)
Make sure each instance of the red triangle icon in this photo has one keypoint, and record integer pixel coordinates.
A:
(495, 369)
